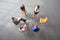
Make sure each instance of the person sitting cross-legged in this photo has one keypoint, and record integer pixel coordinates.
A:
(23, 10)
(36, 11)
(23, 28)
(35, 28)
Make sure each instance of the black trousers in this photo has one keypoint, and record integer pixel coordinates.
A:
(24, 20)
(36, 13)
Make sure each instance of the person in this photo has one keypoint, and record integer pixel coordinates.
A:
(16, 20)
(35, 28)
(23, 28)
(23, 10)
(36, 11)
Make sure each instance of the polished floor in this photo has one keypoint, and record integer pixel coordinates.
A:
(48, 31)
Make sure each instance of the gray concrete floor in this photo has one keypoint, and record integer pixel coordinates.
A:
(49, 30)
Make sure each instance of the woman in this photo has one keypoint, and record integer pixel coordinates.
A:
(36, 11)
(23, 9)
(23, 28)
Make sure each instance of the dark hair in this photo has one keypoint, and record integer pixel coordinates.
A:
(38, 6)
(22, 7)
(21, 27)
(12, 18)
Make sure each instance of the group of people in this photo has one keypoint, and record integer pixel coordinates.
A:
(24, 27)
(36, 11)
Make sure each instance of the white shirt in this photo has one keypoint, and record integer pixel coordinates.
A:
(18, 18)
(36, 9)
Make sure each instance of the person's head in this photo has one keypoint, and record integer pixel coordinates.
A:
(12, 18)
(38, 6)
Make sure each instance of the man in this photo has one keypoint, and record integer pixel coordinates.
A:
(16, 20)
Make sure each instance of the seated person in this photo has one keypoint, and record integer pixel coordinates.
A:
(16, 20)
(23, 28)
(36, 11)
(35, 28)
(23, 10)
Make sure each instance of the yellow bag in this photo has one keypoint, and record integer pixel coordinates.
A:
(43, 20)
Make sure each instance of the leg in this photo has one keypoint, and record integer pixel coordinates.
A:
(33, 15)
(24, 20)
